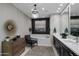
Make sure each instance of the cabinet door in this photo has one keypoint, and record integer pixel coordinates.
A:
(67, 52)
(62, 49)
(57, 45)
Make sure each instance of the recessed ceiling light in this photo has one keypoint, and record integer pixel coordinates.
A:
(31, 9)
(43, 16)
(72, 3)
(57, 11)
(43, 8)
(61, 4)
(58, 8)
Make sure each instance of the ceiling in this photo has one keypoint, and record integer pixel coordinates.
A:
(75, 9)
(44, 9)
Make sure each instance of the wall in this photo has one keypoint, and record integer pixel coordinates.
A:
(64, 22)
(8, 11)
(54, 23)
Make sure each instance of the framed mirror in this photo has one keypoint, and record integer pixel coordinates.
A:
(10, 27)
(40, 26)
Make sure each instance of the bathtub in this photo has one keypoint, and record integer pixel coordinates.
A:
(43, 40)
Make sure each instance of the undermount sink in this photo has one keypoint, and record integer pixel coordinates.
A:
(70, 41)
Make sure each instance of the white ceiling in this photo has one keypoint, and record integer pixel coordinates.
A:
(75, 9)
(50, 8)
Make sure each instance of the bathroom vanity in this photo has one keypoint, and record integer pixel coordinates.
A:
(65, 47)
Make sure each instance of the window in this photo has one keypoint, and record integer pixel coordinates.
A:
(40, 26)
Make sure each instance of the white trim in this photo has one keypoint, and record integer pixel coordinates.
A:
(55, 52)
(45, 45)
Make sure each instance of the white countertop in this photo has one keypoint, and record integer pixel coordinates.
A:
(69, 43)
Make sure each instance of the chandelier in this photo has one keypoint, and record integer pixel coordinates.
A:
(35, 13)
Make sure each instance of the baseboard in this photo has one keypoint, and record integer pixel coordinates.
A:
(55, 52)
(44, 45)
(0, 49)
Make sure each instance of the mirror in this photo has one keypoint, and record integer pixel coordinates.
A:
(10, 27)
(64, 21)
(74, 20)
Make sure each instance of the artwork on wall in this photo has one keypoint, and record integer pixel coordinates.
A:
(10, 27)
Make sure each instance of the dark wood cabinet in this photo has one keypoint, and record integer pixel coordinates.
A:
(13, 48)
(62, 50)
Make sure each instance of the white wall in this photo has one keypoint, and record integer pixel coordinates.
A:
(55, 23)
(8, 11)
(64, 22)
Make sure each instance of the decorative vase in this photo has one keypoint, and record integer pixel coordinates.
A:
(54, 30)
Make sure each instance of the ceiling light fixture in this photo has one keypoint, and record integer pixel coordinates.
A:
(35, 13)
(43, 8)
(72, 3)
(61, 4)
